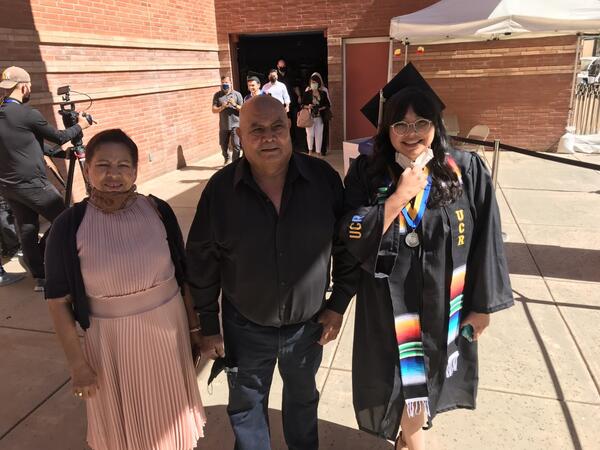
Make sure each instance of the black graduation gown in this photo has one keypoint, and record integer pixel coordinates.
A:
(389, 266)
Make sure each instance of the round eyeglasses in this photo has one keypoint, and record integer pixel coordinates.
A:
(420, 126)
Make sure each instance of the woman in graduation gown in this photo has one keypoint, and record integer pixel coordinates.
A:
(423, 223)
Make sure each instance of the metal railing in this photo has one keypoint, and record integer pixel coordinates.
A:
(586, 109)
(497, 146)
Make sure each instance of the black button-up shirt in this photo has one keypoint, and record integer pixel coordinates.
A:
(274, 268)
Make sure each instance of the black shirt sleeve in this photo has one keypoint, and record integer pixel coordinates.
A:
(345, 270)
(203, 266)
(174, 238)
(40, 126)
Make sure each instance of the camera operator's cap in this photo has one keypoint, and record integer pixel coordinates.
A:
(409, 76)
(13, 76)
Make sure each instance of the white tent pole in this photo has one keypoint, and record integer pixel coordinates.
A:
(391, 60)
(574, 81)
(406, 44)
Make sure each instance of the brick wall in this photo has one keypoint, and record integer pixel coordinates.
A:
(519, 88)
(338, 18)
(151, 68)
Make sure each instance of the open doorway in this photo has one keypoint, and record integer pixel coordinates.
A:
(304, 53)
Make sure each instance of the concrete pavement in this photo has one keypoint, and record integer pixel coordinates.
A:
(540, 361)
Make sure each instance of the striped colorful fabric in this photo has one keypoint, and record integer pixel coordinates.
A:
(457, 286)
(456, 294)
(410, 349)
(408, 325)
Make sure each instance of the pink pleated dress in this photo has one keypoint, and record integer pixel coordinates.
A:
(138, 340)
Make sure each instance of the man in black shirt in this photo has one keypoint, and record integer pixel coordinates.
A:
(23, 181)
(263, 236)
(227, 104)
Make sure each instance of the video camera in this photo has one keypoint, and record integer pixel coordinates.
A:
(70, 117)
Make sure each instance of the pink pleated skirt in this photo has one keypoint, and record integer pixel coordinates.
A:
(148, 396)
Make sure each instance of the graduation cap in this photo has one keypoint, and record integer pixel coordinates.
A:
(409, 76)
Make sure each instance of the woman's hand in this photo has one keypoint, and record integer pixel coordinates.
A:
(85, 382)
(479, 322)
(412, 181)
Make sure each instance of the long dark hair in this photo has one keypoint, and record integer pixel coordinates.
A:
(446, 187)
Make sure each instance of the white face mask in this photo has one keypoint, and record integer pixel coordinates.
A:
(314, 86)
(421, 160)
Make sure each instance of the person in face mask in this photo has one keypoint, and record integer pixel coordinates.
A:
(327, 116)
(227, 103)
(115, 267)
(23, 181)
(286, 76)
(317, 101)
(277, 89)
(281, 68)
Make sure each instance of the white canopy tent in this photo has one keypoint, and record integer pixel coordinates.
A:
(451, 21)
(475, 20)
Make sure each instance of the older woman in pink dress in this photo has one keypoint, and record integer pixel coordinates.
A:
(116, 266)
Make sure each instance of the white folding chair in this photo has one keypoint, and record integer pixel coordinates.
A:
(480, 133)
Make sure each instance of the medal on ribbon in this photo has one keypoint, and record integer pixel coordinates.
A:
(413, 214)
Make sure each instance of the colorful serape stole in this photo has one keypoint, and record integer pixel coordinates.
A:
(456, 294)
(408, 325)
(412, 363)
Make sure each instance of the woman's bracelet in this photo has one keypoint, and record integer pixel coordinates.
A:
(195, 329)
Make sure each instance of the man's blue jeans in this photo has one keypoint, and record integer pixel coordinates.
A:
(251, 352)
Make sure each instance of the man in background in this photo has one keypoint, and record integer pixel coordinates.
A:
(277, 89)
(23, 180)
(253, 88)
(227, 103)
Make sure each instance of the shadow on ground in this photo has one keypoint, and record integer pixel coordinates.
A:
(553, 261)
(331, 435)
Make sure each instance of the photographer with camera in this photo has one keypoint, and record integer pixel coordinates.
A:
(23, 180)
